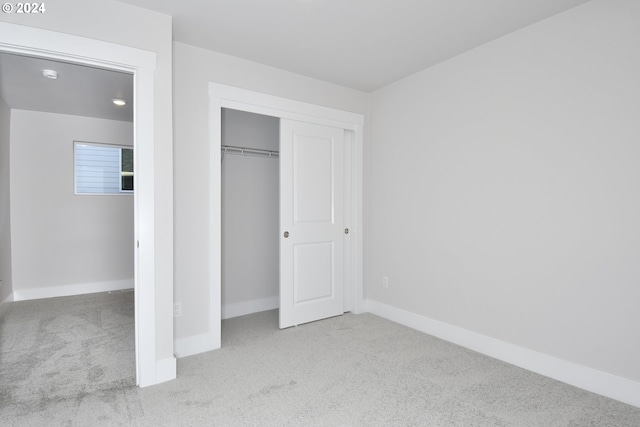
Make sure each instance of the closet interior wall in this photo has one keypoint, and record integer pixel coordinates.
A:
(250, 215)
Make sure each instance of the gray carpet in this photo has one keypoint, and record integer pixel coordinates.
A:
(345, 371)
(58, 349)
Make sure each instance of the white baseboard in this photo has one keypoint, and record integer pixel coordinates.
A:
(166, 370)
(589, 379)
(69, 290)
(197, 344)
(189, 346)
(248, 307)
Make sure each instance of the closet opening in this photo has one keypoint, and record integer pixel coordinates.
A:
(318, 262)
(250, 213)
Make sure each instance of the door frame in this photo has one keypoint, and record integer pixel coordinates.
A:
(141, 64)
(224, 96)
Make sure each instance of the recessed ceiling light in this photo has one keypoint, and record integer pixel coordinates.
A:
(50, 74)
(119, 102)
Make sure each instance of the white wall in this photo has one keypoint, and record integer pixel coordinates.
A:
(250, 215)
(504, 193)
(193, 69)
(6, 288)
(142, 29)
(60, 239)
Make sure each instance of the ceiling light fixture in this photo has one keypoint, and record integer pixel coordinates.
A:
(50, 74)
(120, 102)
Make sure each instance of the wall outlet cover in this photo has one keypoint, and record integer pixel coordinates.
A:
(177, 309)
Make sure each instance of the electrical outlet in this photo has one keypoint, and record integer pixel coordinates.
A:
(177, 309)
(385, 282)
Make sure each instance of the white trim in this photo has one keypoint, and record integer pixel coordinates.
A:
(70, 48)
(144, 201)
(166, 369)
(70, 290)
(223, 96)
(54, 45)
(215, 225)
(284, 108)
(583, 377)
(249, 307)
(357, 219)
(197, 344)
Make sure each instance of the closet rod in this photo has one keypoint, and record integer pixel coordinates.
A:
(230, 149)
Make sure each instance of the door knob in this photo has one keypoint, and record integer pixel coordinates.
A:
(346, 231)
(286, 234)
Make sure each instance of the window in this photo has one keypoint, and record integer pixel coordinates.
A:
(103, 169)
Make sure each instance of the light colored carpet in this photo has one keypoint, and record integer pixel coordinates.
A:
(57, 349)
(346, 371)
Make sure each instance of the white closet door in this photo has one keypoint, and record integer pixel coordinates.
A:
(311, 222)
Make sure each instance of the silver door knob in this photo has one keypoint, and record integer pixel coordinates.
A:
(286, 234)
(346, 231)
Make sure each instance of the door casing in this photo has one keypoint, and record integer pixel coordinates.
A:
(224, 96)
(141, 64)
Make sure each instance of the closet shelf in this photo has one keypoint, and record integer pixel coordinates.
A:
(242, 151)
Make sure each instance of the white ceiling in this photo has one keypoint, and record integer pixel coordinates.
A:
(361, 44)
(78, 90)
